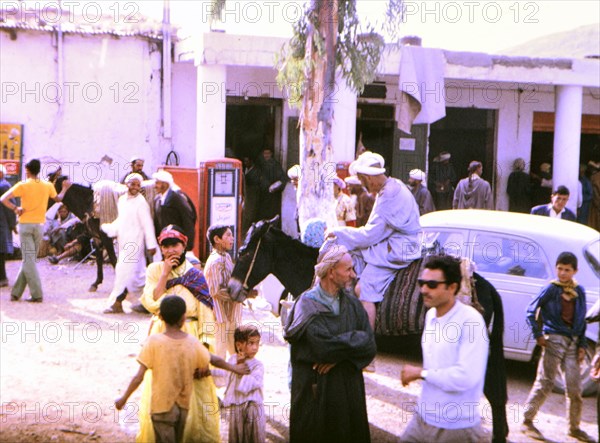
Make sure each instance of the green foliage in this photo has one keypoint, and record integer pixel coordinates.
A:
(358, 48)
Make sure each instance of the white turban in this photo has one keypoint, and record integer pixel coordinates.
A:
(329, 256)
(417, 174)
(135, 157)
(134, 176)
(163, 176)
(369, 163)
(294, 172)
(338, 181)
(352, 180)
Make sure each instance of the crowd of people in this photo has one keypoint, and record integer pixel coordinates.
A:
(197, 339)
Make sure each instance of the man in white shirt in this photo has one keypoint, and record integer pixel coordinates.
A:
(455, 353)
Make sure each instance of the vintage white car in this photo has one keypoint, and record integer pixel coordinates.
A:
(517, 254)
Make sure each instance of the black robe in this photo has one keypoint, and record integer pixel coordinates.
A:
(330, 407)
(519, 192)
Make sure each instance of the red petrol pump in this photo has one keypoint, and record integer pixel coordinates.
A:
(215, 188)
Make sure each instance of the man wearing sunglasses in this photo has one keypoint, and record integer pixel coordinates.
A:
(455, 352)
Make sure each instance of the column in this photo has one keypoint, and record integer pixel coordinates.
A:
(567, 138)
(211, 101)
(343, 131)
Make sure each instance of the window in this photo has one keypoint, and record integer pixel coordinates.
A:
(448, 242)
(505, 254)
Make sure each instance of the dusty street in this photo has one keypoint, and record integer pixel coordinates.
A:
(63, 363)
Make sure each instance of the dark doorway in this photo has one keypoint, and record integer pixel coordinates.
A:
(467, 134)
(251, 126)
(375, 126)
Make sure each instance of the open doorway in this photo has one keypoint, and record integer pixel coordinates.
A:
(467, 134)
(251, 126)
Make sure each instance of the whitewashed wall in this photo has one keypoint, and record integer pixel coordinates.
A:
(111, 101)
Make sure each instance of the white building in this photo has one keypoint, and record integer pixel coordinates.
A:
(83, 93)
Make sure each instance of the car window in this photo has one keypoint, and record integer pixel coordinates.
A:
(504, 254)
(436, 241)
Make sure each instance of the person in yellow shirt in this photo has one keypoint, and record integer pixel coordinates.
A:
(174, 357)
(34, 193)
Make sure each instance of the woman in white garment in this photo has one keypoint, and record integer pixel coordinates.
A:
(134, 230)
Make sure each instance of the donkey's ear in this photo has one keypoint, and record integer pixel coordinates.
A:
(274, 219)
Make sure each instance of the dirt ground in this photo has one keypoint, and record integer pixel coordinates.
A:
(63, 362)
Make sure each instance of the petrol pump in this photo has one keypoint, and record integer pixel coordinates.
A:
(215, 188)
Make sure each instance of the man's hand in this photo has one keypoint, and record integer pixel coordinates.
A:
(323, 368)
(170, 263)
(541, 341)
(120, 402)
(223, 294)
(329, 234)
(152, 251)
(595, 367)
(410, 373)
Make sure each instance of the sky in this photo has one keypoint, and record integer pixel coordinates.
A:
(470, 25)
(480, 26)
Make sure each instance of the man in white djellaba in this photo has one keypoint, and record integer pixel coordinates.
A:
(134, 230)
(389, 241)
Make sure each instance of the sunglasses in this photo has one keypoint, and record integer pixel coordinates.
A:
(431, 284)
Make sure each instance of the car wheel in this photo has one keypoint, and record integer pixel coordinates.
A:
(588, 386)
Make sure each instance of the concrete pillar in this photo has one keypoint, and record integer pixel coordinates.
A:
(567, 138)
(211, 100)
(344, 121)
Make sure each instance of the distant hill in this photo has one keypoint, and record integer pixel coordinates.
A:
(576, 43)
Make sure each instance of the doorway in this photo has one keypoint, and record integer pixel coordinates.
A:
(252, 125)
(467, 134)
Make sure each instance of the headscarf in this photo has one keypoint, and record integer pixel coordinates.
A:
(329, 256)
(569, 293)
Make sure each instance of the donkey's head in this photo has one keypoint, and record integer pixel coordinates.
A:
(255, 260)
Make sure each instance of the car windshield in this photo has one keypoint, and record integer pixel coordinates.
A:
(592, 255)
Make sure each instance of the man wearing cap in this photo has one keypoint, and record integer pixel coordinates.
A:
(137, 164)
(289, 204)
(171, 207)
(363, 200)
(331, 342)
(389, 241)
(443, 179)
(134, 231)
(34, 194)
(421, 193)
(344, 209)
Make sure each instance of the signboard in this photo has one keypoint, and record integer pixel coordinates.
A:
(11, 141)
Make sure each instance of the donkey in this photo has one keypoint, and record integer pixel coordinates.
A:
(267, 250)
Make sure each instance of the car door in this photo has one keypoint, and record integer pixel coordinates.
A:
(518, 268)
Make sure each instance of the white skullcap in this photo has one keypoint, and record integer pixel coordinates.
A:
(338, 181)
(329, 257)
(135, 157)
(369, 163)
(442, 156)
(294, 172)
(163, 176)
(417, 174)
(352, 180)
(134, 176)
